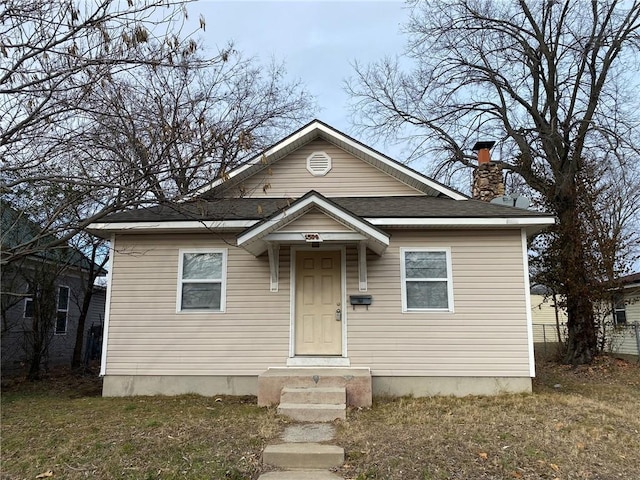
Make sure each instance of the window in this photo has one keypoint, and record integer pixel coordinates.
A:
(62, 309)
(28, 308)
(426, 279)
(619, 310)
(201, 282)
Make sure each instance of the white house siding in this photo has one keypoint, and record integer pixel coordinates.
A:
(148, 337)
(348, 177)
(632, 307)
(623, 340)
(485, 336)
(544, 319)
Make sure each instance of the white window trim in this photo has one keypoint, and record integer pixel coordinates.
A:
(223, 281)
(66, 311)
(449, 279)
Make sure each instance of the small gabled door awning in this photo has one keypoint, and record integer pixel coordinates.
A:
(257, 238)
(268, 235)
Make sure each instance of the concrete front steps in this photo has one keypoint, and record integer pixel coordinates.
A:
(303, 455)
(356, 382)
(313, 404)
(300, 475)
(304, 461)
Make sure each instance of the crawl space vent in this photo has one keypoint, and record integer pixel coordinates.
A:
(318, 163)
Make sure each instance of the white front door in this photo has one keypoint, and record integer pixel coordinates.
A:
(318, 307)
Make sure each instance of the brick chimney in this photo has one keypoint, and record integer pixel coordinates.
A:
(487, 177)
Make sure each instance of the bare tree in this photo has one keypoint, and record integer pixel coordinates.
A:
(52, 56)
(550, 79)
(54, 53)
(105, 105)
(177, 128)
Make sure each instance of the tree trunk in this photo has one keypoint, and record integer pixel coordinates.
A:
(35, 347)
(581, 344)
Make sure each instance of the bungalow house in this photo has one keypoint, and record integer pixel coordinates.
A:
(623, 332)
(626, 305)
(318, 257)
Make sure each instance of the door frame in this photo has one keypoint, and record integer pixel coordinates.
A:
(292, 307)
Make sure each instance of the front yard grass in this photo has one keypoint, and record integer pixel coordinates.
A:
(579, 424)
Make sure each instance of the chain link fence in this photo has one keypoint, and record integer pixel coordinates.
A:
(613, 339)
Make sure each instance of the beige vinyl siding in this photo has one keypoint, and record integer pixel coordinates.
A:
(315, 221)
(349, 176)
(148, 337)
(486, 335)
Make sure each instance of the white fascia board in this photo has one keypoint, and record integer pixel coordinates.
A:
(462, 222)
(324, 205)
(190, 225)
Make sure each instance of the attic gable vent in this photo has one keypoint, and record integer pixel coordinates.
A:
(318, 164)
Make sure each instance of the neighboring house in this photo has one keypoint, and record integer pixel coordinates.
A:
(627, 300)
(625, 336)
(547, 316)
(619, 319)
(320, 253)
(67, 267)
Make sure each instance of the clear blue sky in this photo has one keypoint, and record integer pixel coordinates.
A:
(317, 40)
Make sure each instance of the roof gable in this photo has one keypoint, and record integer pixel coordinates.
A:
(20, 234)
(255, 238)
(291, 177)
(319, 130)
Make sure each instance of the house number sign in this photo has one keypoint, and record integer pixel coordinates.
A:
(312, 237)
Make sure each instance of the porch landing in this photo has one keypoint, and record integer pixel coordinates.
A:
(356, 381)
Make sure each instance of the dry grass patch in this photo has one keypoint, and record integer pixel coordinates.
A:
(184, 437)
(579, 424)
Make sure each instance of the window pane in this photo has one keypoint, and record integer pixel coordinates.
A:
(61, 322)
(63, 298)
(202, 266)
(621, 317)
(28, 308)
(201, 296)
(427, 295)
(426, 264)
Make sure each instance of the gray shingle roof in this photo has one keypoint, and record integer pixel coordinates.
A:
(370, 207)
